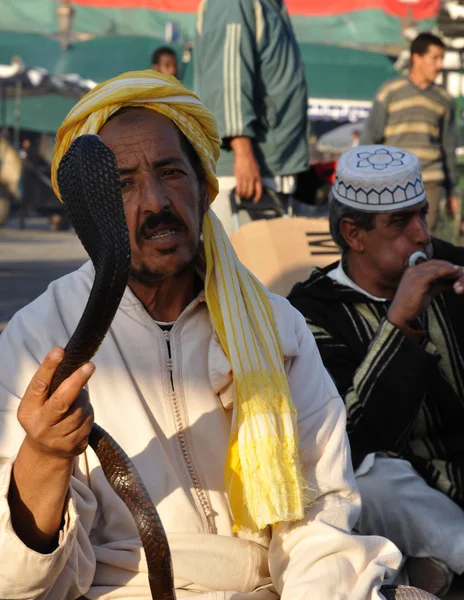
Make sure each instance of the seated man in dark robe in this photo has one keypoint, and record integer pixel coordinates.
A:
(392, 337)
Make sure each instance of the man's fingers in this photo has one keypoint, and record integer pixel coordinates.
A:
(459, 284)
(79, 413)
(435, 269)
(73, 435)
(37, 390)
(452, 206)
(79, 439)
(241, 188)
(258, 190)
(440, 277)
(248, 188)
(64, 397)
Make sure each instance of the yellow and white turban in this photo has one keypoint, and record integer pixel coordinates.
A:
(263, 475)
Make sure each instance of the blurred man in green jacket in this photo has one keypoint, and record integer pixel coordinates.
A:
(249, 73)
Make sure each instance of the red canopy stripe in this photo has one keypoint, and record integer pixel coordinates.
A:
(421, 9)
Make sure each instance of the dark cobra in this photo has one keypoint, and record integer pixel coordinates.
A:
(90, 188)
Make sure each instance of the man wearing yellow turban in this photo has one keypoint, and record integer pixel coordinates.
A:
(212, 385)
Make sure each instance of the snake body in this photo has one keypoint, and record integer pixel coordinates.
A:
(89, 183)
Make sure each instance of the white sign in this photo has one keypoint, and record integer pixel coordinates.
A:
(327, 109)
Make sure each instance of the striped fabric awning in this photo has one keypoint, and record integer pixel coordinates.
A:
(373, 22)
(421, 9)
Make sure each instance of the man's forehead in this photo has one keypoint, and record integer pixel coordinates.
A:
(405, 211)
(140, 129)
(434, 49)
(133, 116)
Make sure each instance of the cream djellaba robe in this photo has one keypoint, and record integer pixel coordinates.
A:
(172, 416)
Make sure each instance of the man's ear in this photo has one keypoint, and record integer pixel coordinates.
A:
(353, 235)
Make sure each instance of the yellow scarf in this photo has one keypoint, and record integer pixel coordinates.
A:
(263, 475)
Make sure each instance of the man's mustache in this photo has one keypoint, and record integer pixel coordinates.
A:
(154, 222)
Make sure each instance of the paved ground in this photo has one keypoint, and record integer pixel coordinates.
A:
(30, 259)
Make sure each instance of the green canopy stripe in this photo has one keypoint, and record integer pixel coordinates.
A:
(332, 72)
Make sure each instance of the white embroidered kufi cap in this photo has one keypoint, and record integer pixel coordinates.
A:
(378, 179)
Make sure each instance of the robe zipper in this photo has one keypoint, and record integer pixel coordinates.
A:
(202, 500)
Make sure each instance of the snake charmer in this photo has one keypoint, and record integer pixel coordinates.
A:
(211, 384)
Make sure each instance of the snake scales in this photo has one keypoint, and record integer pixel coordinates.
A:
(89, 183)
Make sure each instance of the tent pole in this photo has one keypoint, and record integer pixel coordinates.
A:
(16, 143)
(3, 111)
(3, 122)
(17, 115)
